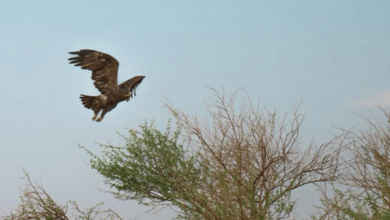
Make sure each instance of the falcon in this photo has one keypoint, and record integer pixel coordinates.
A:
(105, 74)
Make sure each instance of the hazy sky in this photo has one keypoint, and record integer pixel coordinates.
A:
(333, 55)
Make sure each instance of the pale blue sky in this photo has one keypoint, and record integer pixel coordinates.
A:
(333, 55)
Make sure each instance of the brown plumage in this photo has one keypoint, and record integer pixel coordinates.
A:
(105, 73)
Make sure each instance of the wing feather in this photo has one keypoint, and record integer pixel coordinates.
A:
(131, 84)
(104, 68)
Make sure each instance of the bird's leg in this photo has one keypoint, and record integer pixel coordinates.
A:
(102, 115)
(96, 113)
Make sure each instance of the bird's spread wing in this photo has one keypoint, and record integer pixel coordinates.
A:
(104, 68)
(131, 84)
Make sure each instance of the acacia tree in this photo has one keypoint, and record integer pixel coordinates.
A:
(242, 165)
(367, 175)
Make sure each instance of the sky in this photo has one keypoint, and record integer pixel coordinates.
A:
(333, 56)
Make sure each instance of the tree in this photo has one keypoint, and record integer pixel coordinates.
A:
(243, 166)
(367, 175)
(36, 204)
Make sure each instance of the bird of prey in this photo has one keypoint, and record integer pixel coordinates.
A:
(104, 72)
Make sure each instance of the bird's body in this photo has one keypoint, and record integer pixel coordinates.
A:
(104, 71)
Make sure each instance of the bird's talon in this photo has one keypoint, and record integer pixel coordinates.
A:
(103, 81)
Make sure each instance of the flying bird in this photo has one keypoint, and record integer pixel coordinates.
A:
(105, 74)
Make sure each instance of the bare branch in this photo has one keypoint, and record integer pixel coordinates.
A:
(37, 204)
(260, 156)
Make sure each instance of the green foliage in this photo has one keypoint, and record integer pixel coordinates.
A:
(363, 208)
(357, 204)
(153, 168)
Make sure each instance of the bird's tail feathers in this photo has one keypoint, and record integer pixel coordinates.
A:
(89, 101)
